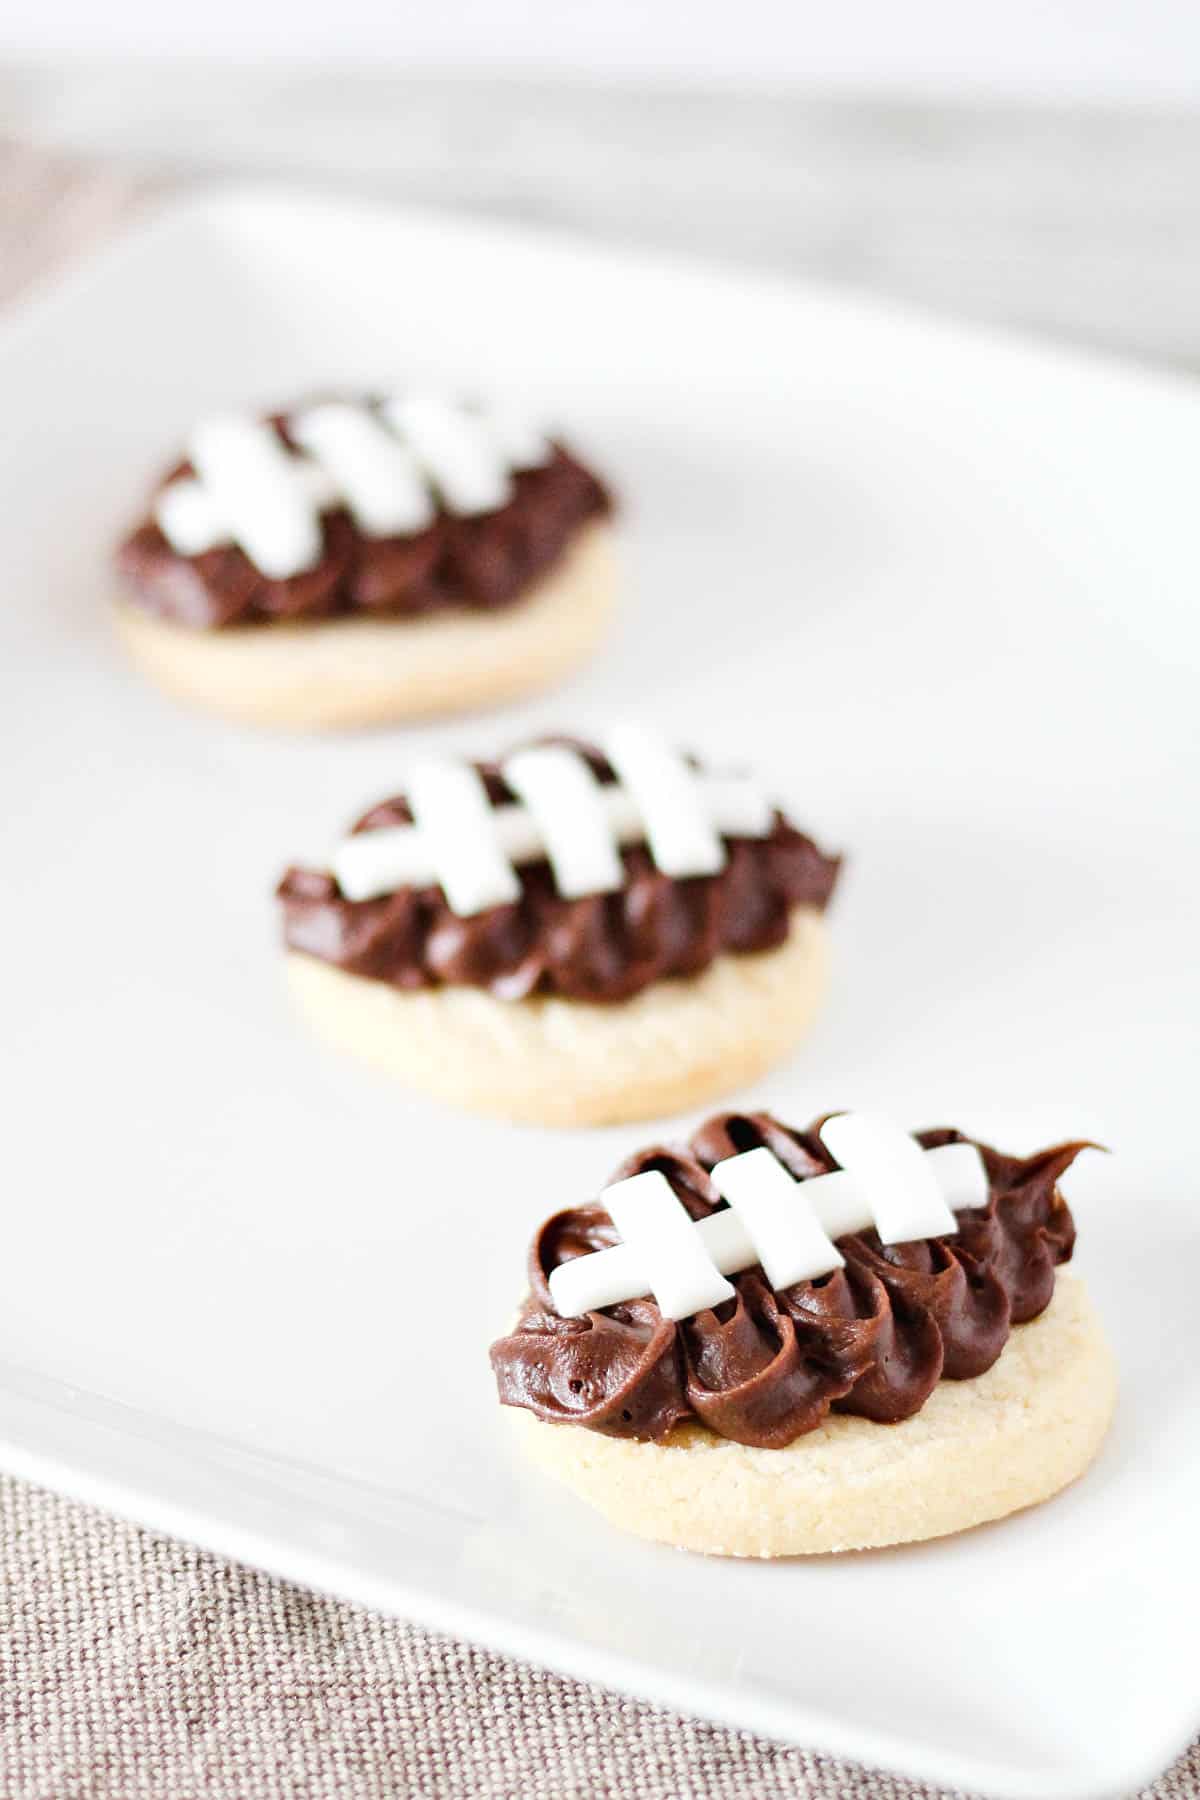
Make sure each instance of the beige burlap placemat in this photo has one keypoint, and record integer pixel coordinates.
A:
(136, 1668)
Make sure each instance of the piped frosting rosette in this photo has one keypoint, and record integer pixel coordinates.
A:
(549, 874)
(401, 506)
(575, 935)
(871, 1335)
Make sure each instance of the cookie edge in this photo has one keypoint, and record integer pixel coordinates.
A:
(977, 1451)
(554, 1061)
(341, 673)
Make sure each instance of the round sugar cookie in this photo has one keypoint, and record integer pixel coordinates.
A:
(553, 1061)
(358, 671)
(977, 1450)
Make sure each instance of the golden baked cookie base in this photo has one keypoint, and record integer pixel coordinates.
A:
(552, 1061)
(359, 671)
(977, 1450)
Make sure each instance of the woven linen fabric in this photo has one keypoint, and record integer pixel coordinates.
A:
(136, 1668)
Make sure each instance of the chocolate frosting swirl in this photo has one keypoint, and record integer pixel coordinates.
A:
(605, 947)
(763, 1368)
(482, 562)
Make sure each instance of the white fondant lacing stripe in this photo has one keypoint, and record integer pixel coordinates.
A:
(454, 816)
(792, 1242)
(249, 490)
(892, 1169)
(681, 835)
(460, 458)
(385, 464)
(566, 803)
(788, 1226)
(683, 1276)
(567, 816)
(374, 471)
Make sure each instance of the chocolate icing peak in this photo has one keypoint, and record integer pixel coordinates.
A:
(606, 947)
(873, 1338)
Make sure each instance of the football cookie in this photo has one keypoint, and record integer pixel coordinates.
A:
(570, 936)
(778, 1342)
(354, 561)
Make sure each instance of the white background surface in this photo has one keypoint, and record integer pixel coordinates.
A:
(943, 590)
(1077, 220)
(1109, 47)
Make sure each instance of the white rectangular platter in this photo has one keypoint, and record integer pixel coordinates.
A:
(944, 589)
